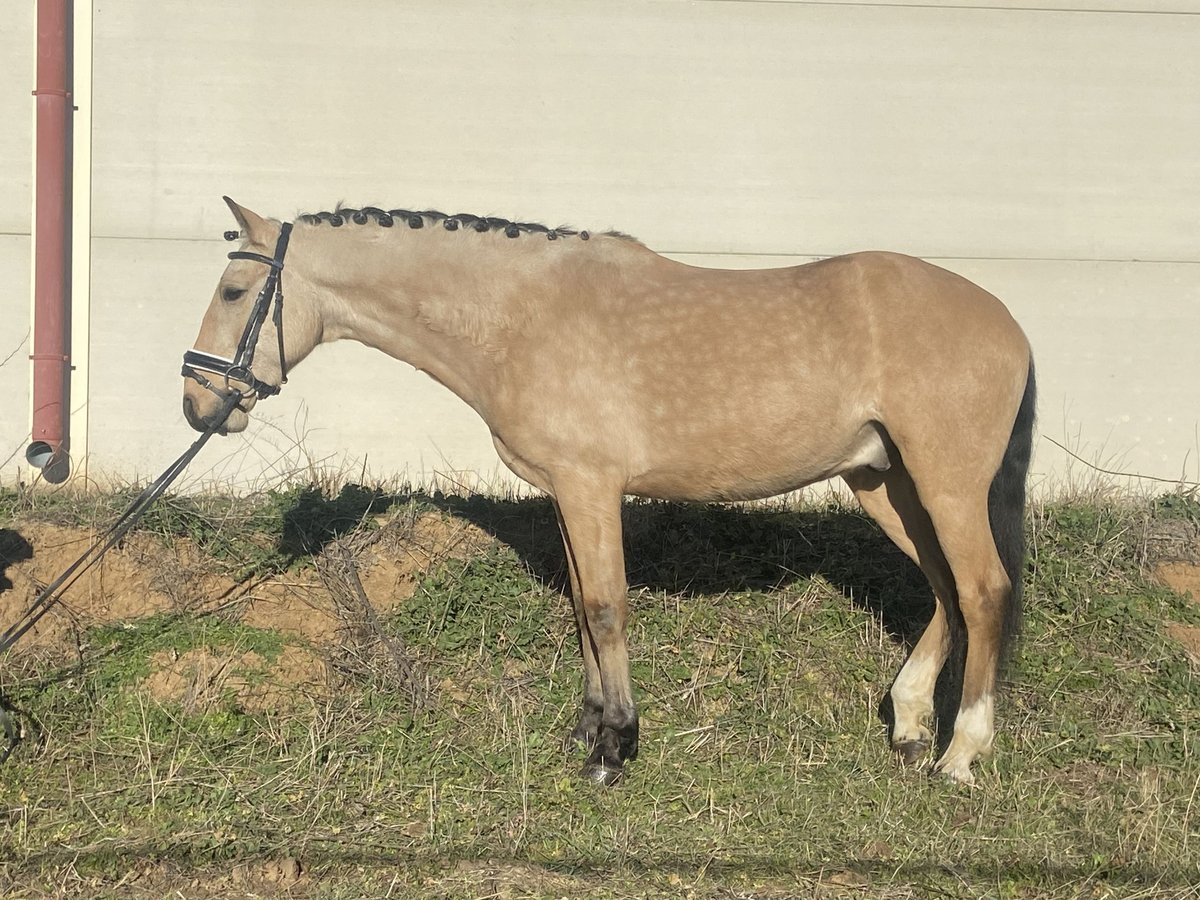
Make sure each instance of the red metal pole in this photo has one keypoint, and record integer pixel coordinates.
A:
(51, 354)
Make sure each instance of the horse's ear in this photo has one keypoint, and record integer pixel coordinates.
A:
(253, 226)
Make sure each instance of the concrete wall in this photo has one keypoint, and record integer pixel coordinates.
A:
(1046, 152)
(16, 150)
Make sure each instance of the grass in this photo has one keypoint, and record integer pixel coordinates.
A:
(763, 642)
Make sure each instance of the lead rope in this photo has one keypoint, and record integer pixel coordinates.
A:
(193, 363)
(52, 593)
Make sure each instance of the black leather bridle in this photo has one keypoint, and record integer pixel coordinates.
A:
(194, 362)
(239, 368)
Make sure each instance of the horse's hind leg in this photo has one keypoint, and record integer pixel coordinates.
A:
(591, 520)
(585, 731)
(890, 498)
(982, 588)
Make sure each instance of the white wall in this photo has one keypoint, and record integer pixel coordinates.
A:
(1046, 153)
(16, 150)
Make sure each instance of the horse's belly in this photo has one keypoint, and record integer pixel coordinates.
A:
(715, 486)
(748, 470)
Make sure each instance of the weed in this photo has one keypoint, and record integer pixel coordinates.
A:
(762, 643)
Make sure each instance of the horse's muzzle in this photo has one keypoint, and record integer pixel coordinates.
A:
(195, 419)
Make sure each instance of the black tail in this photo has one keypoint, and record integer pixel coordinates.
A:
(1006, 508)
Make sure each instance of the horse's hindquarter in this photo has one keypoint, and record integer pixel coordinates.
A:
(688, 383)
(953, 364)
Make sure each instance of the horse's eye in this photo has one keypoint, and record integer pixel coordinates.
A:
(231, 294)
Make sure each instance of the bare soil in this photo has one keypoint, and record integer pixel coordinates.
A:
(201, 679)
(145, 576)
(1183, 576)
(119, 588)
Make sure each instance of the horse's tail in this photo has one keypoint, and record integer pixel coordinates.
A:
(1006, 508)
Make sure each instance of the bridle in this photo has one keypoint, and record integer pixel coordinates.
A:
(239, 368)
(194, 362)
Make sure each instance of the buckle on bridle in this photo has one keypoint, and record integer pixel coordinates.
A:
(196, 361)
(240, 373)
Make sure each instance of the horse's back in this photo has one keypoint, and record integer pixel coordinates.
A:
(930, 305)
(702, 383)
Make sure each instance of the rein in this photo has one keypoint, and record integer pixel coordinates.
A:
(238, 370)
(240, 367)
(52, 593)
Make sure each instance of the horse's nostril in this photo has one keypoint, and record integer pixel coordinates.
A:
(189, 413)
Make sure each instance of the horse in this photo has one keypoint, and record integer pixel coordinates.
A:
(603, 369)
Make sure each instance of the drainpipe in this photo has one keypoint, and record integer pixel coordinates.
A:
(51, 358)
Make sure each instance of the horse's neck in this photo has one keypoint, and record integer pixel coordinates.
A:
(446, 304)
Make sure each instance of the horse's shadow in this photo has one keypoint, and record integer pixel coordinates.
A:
(707, 549)
(695, 550)
(691, 550)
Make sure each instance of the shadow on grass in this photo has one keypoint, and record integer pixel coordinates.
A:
(327, 860)
(311, 520)
(691, 550)
(14, 548)
(696, 550)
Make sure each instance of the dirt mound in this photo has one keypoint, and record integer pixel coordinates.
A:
(147, 576)
(1189, 637)
(1183, 577)
(1181, 573)
(202, 679)
(122, 586)
(144, 576)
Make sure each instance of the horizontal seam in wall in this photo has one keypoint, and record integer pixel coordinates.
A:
(957, 6)
(789, 254)
(1073, 259)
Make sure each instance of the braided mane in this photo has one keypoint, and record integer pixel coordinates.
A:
(341, 215)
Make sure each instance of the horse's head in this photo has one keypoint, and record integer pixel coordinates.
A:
(239, 347)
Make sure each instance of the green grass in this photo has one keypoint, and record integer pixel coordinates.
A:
(763, 643)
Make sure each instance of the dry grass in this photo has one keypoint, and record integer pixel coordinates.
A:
(763, 643)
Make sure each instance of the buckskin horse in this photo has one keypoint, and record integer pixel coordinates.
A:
(604, 369)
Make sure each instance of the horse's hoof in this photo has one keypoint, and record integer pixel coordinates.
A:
(601, 774)
(953, 771)
(910, 752)
(578, 739)
(582, 736)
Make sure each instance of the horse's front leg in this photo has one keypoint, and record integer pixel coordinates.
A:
(590, 516)
(592, 708)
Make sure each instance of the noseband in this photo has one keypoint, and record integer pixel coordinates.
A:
(239, 368)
